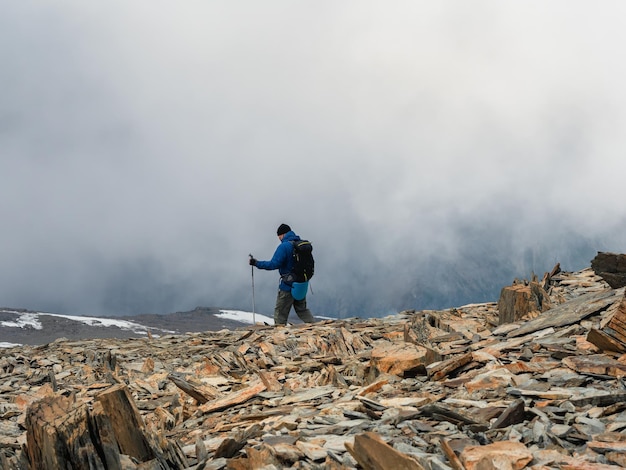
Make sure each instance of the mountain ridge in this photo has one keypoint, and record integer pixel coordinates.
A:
(22, 326)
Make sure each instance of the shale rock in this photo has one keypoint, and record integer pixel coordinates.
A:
(437, 390)
(521, 301)
(611, 267)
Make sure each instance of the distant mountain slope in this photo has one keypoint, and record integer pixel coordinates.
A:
(19, 326)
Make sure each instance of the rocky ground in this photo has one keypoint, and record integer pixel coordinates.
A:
(422, 389)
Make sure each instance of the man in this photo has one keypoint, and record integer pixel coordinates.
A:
(283, 261)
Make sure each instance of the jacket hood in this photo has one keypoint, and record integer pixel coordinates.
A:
(290, 236)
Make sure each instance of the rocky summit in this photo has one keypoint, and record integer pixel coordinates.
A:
(535, 380)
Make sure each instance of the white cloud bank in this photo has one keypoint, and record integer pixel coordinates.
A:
(148, 147)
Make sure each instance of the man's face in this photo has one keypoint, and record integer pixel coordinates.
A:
(281, 236)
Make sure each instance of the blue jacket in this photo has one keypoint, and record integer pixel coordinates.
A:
(282, 259)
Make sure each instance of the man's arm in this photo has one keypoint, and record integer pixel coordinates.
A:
(277, 260)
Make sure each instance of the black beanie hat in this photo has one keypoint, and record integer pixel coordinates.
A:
(284, 228)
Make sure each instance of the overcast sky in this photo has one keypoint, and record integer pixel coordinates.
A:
(147, 147)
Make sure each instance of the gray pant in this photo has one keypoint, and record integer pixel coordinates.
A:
(284, 301)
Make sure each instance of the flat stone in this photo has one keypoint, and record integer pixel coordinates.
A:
(394, 358)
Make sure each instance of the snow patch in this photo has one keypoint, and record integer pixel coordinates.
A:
(32, 320)
(244, 317)
(95, 321)
(24, 320)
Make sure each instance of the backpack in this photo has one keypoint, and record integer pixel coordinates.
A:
(303, 263)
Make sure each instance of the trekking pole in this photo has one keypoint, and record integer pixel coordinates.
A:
(253, 302)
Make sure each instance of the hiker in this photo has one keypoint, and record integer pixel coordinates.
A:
(283, 261)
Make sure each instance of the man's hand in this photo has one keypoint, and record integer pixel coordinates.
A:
(252, 261)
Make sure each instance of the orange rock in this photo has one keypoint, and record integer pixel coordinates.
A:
(208, 368)
(519, 367)
(373, 453)
(394, 336)
(25, 400)
(394, 358)
(148, 365)
(373, 387)
(490, 380)
(267, 348)
(583, 345)
(522, 301)
(499, 455)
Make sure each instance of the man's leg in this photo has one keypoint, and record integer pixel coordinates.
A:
(303, 312)
(284, 301)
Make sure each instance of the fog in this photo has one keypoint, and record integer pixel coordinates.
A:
(431, 151)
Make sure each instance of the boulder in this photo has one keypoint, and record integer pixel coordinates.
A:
(521, 302)
(613, 336)
(611, 267)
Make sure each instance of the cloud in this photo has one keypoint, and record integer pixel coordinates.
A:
(149, 147)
